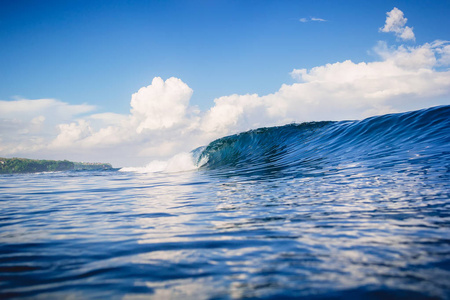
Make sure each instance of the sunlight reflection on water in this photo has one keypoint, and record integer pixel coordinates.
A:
(197, 236)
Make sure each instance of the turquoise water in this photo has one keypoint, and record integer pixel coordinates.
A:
(354, 209)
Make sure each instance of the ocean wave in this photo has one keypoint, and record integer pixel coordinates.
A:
(310, 146)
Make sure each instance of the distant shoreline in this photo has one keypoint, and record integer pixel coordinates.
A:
(24, 165)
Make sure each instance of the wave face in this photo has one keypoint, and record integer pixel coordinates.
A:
(312, 148)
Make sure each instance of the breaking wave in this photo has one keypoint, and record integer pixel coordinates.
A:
(310, 148)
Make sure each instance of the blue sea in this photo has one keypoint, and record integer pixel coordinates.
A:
(321, 210)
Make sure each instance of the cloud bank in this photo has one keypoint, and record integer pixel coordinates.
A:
(162, 123)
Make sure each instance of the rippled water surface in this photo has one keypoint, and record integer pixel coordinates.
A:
(345, 212)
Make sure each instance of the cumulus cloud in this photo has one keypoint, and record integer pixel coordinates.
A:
(71, 133)
(161, 122)
(162, 104)
(396, 23)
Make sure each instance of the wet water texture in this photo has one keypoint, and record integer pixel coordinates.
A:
(329, 210)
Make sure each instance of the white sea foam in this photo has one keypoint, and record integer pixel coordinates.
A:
(181, 162)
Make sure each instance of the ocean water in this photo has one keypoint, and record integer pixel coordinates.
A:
(324, 210)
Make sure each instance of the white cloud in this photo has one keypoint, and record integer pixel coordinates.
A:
(24, 108)
(228, 113)
(311, 19)
(161, 104)
(404, 79)
(71, 133)
(443, 51)
(318, 19)
(27, 125)
(396, 23)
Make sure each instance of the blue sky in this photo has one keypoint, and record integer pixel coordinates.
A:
(130, 82)
(100, 52)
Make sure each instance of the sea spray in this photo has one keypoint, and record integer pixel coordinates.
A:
(179, 163)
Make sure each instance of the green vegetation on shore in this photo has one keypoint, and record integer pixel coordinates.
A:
(24, 165)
